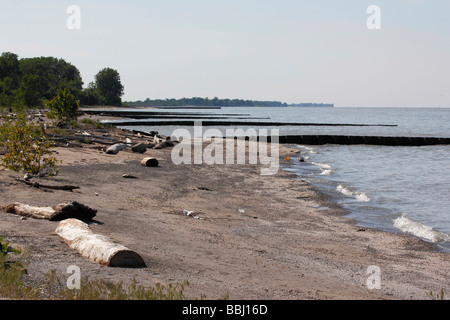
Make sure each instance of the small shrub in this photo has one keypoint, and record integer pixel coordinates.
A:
(64, 107)
(94, 123)
(25, 147)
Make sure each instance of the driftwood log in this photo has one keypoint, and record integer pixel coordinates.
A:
(97, 248)
(114, 149)
(54, 213)
(39, 185)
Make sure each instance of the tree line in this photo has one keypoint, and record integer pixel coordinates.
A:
(196, 101)
(33, 82)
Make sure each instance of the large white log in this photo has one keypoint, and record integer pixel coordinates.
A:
(97, 248)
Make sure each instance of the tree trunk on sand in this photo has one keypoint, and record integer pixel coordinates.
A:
(56, 213)
(95, 247)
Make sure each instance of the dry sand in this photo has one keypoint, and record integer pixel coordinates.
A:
(283, 246)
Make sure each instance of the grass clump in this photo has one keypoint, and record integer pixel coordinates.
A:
(53, 287)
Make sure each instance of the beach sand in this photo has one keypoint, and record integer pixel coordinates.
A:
(258, 237)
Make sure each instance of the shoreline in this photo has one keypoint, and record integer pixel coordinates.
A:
(263, 237)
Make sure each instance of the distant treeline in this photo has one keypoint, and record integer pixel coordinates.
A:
(319, 105)
(216, 102)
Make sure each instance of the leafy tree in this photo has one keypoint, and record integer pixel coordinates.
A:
(90, 96)
(109, 86)
(54, 74)
(29, 92)
(9, 67)
(64, 106)
(25, 148)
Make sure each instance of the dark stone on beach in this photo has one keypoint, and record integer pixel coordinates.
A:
(139, 148)
(164, 144)
(301, 159)
(150, 162)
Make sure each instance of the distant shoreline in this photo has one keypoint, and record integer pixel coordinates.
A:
(216, 102)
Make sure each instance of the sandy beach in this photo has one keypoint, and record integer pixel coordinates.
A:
(257, 237)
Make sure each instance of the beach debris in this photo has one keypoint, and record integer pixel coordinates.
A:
(188, 213)
(96, 247)
(241, 210)
(203, 188)
(164, 144)
(55, 213)
(301, 159)
(115, 148)
(157, 139)
(44, 186)
(287, 158)
(139, 148)
(150, 162)
(127, 176)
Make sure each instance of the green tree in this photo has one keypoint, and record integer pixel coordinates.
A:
(90, 96)
(64, 106)
(29, 92)
(9, 67)
(54, 74)
(109, 86)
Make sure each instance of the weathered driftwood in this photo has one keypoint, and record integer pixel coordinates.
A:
(39, 185)
(150, 162)
(97, 248)
(114, 149)
(55, 213)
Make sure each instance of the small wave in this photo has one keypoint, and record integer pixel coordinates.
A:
(362, 197)
(344, 190)
(326, 168)
(359, 196)
(326, 172)
(408, 225)
(309, 149)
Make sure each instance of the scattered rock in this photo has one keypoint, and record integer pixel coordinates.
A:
(164, 144)
(150, 162)
(139, 148)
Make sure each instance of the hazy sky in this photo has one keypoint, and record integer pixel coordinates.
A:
(285, 50)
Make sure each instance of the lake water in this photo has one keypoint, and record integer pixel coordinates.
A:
(397, 189)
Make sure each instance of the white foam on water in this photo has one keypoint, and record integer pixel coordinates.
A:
(359, 196)
(326, 172)
(362, 197)
(309, 149)
(408, 225)
(344, 190)
(322, 165)
(326, 168)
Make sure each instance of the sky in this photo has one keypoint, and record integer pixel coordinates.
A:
(292, 51)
